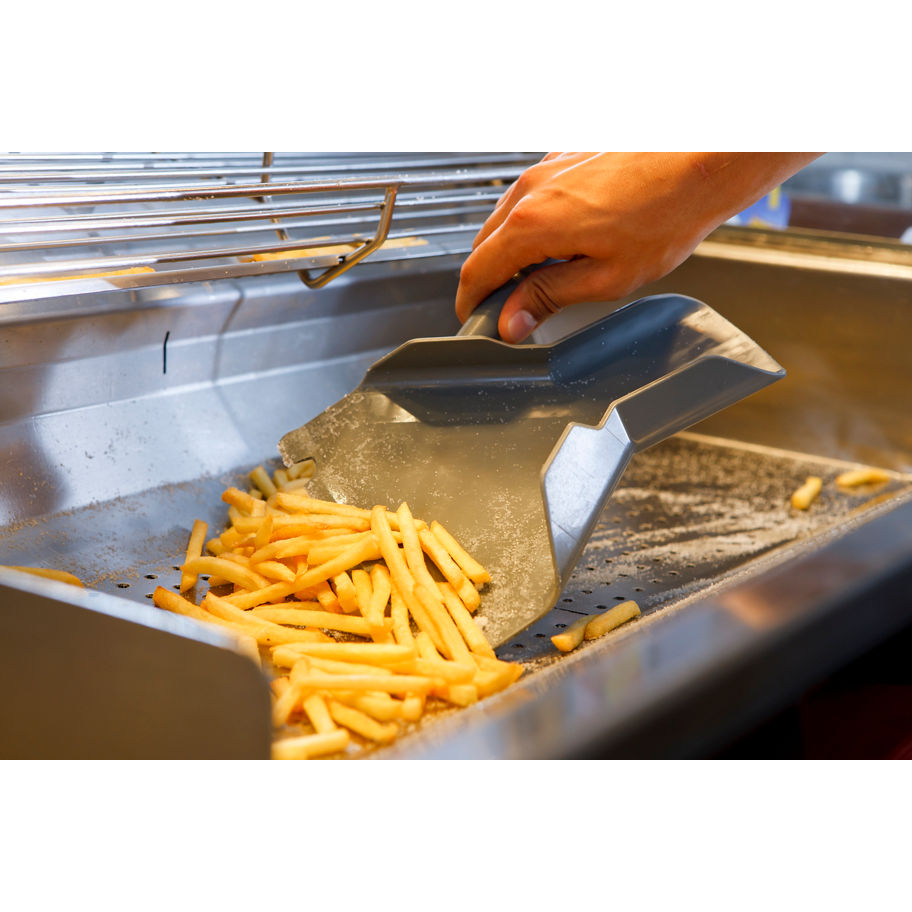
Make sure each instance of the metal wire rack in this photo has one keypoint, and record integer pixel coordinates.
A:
(141, 219)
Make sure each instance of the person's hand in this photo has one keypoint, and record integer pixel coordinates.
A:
(618, 219)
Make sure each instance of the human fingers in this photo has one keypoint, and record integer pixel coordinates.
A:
(494, 263)
(530, 180)
(552, 288)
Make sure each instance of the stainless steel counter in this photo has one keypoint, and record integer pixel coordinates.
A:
(122, 416)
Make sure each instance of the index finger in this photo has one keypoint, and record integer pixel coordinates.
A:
(493, 263)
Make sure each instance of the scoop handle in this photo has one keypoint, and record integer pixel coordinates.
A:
(483, 320)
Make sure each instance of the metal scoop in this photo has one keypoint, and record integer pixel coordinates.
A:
(515, 449)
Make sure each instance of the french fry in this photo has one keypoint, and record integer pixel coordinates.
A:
(262, 480)
(857, 477)
(362, 584)
(361, 723)
(464, 588)
(304, 747)
(275, 570)
(351, 557)
(397, 684)
(345, 592)
(266, 633)
(402, 631)
(267, 595)
(469, 566)
(567, 640)
(286, 704)
(227, 569)
(370, 653)
(380, 706)
(301, 470)
(317, 711)
(263, 535)
(301, 503)
(302, 617)
(400, 575)
(326, 597)
(235, 497)
(805, 495)
(60, 575)
(612, 618)
(470, 631)
(374, 611)
(194, 550)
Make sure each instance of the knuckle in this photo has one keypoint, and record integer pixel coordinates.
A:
(540, 295)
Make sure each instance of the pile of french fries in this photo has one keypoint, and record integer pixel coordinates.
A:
(367, 616)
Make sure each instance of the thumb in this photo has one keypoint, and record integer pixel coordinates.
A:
(550, 289)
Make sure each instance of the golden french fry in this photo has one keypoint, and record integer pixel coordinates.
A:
(471, 632)
(275, 570)
(301, 503)
(351, 557)
(400, 575)
(263, 534)
(266, 633)
(857, 477)
(361, 723)
(454, 646)
(345, 592)
(262, 480)
(380, 706)
(278, 686)
(612, 618)
(194, 550)
(227, 569)
(402, 631)
(413, 707)
(267, 595)
(317, 711)
(303, 747)
(286, 704)
(235, 497)
(572, 636)
(60, 575)
(370, 653)
(326, 597)
(302, 617)
(805, 495)
(469, 566)
(362, 584)
(458, 694)
(326, 549)
(439, 555)
(280, 478)
(399, 684)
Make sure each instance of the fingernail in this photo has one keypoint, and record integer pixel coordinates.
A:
(520, 325)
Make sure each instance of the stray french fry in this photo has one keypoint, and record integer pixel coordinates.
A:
(612, 618)
(857, 477)
(304, 747)
(568, 639)
(60, 575)
(807, 493)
